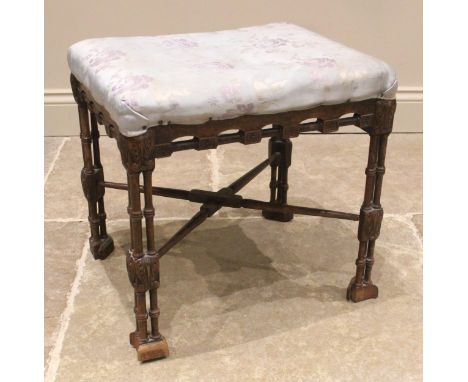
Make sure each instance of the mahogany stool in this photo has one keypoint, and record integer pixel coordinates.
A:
(277, 81)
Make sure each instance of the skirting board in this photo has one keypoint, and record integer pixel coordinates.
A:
(61, 118)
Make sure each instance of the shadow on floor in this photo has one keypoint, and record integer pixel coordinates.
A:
(228, 281)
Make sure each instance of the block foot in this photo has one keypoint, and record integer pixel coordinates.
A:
(278, 216)
(360, 293)
(152, 349)
(102, 247)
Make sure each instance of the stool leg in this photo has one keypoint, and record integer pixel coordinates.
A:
(361, 286)
(92, 175)
(143, 269)
(98, 166)
(279, 178)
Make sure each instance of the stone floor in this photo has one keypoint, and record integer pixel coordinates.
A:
(242, 299)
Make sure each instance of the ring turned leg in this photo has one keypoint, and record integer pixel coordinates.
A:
(361, 286)
(279, 177)
(92, 175)
(143, 269)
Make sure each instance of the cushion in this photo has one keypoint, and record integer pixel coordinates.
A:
(189, 78)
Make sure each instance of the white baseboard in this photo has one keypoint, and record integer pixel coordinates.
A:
(60, 115)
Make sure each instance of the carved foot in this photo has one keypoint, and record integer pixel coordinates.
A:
(154, 348)
(361, 293)
(278, 216)
(102, 247)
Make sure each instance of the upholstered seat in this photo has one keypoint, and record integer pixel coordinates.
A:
(191, 78)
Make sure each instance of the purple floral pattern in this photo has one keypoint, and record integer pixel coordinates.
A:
(131, 83)
(178, 42)
(214, 65)
(191, 78)
(268, 44)
(100, 59)
(241, 109)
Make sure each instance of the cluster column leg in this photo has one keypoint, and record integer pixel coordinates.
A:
(279, 177)
(359, 290)
(361, 286)
(143, 268)
(98, 167)
(92, 176)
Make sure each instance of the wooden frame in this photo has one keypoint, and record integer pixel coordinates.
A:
(138, 154)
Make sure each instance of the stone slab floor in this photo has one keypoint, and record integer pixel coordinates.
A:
(242, 298)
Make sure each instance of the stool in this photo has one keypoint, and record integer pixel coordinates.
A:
(277, 81)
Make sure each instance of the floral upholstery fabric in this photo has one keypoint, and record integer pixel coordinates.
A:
(190, 78)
